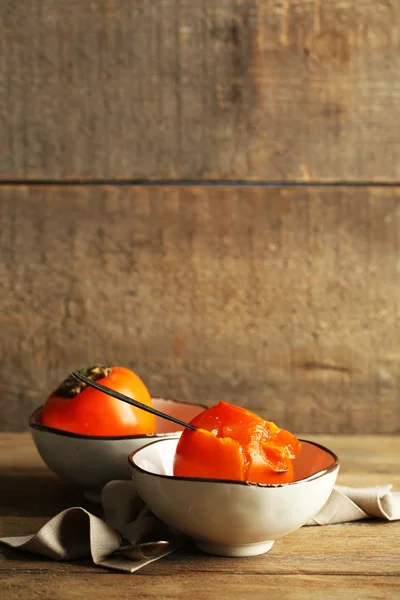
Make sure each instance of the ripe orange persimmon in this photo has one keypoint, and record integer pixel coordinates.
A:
(234, 443)
(78, 408)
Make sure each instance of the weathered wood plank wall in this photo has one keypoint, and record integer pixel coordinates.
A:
(248, 89)
(283, 298)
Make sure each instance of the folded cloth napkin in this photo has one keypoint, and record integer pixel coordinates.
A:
(76, 533)
(347, 504)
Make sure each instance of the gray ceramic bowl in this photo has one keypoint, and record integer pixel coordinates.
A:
(92, 461)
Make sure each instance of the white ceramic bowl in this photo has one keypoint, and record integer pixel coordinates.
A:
(92, 461)
(233, 518)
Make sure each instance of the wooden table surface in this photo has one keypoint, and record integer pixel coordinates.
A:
(357, 560)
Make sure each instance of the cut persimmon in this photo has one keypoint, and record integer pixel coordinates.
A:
(235, 444)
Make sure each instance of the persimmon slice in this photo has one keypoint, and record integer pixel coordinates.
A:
(233, 443)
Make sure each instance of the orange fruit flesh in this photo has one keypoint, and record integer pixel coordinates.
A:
(234, 443)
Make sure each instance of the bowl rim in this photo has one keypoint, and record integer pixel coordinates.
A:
(335, 465)
(37, 426)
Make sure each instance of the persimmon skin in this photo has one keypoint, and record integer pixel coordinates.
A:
(233, 443)
(92, 412)
(202, 454)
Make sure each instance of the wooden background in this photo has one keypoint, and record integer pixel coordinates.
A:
(208, 193)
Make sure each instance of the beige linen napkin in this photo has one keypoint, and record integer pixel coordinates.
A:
(347, 504)
(76, 533)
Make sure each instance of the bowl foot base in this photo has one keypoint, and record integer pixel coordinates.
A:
(235, 551)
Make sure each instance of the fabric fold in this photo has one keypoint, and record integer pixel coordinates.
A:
(347, 504)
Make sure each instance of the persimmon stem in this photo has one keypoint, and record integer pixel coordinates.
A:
(131, 401)
(70, 387)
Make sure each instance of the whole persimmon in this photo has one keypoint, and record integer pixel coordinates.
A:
(235, 444)
(78, 408)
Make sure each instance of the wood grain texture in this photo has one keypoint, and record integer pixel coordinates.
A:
(242, 89)
(282, 300)
(357, 560)
(213, 586)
